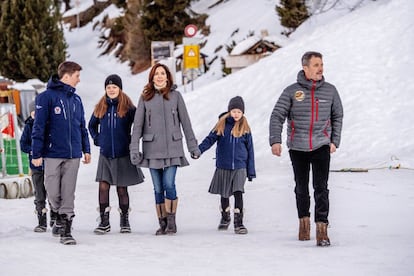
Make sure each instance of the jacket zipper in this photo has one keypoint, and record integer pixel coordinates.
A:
(67, 116)
(233, 141)
(112, 125)
(317, 109)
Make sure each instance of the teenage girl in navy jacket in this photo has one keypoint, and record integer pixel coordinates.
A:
(234, 161)
(110, 127)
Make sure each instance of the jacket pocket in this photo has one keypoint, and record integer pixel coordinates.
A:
(177, 136)
(148, 137)
(326, 129)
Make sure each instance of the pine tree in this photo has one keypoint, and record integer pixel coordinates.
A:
(165, 20)
(31, 39)
(292, 13)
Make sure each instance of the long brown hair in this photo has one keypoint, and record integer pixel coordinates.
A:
(240, 127)
(149, 89)
(124, 104)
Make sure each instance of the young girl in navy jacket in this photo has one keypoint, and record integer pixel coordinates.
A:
(234, 161)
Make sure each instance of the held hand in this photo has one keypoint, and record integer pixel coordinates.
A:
(277, 149)
(37, 162)
(86, 158)
(196, 154)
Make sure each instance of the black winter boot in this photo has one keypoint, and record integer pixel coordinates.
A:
(104, 226)
(57, 226)
(41, 216)
(225, 219)
(124, 220)
(53, 217)
(238, 222)
(66, 233)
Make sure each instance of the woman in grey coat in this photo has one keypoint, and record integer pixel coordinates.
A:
(161, 114)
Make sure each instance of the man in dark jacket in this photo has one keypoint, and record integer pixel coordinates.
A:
(59, 138)
(314, 113)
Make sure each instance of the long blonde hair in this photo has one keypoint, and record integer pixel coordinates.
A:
(240, 127)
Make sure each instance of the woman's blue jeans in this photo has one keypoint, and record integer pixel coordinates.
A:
(164, 183)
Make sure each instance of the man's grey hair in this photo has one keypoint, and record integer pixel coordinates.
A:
(308, 55)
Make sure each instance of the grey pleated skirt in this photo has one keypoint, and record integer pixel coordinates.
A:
(164, 163)
(226, 182)
(118, 171)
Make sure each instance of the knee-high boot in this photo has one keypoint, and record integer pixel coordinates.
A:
(171, 208)
(162, 218)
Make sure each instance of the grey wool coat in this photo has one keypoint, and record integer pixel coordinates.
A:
(314, 115)
(158, 123)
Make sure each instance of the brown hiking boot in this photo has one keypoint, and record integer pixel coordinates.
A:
(322, 238)
(304, 229)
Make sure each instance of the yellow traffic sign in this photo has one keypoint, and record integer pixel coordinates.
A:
(191, 56)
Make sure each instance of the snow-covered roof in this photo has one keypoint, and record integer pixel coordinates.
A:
(249, 42)
(244, 45)
(32, 84)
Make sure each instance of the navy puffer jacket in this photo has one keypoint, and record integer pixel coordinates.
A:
(232, 152)
(112, 133)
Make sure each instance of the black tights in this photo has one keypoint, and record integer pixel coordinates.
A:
(123, 196)
(238, 201)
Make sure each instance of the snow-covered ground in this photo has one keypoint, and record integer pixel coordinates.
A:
(367, 55)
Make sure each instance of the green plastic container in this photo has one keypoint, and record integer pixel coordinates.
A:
(12, 167)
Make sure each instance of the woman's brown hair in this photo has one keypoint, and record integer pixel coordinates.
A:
(149, 89)
(124, 104)
(240, 127)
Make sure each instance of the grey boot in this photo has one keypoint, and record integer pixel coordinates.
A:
(162, 218)
(171, 208)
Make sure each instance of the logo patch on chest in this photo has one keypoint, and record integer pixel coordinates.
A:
(299, 96)
(58, 110)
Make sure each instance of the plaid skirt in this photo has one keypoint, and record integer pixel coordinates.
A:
(118, 171)
(226, 182)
